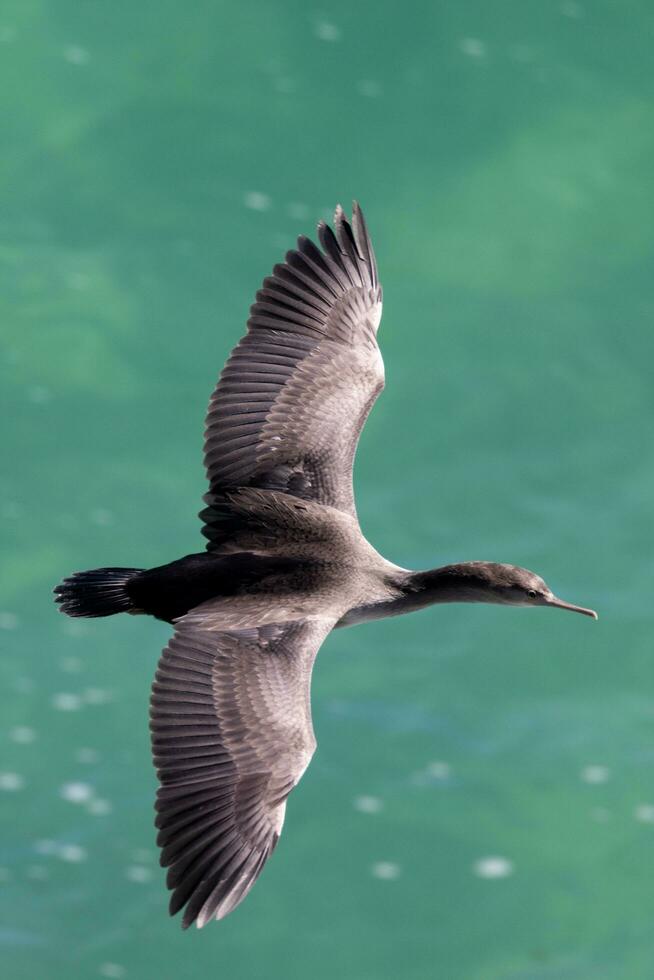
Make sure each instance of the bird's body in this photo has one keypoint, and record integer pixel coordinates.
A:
(286, 562)
(309, 557)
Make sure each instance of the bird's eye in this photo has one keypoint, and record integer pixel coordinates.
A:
(532, 593)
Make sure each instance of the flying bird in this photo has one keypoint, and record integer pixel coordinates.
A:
(285, 563)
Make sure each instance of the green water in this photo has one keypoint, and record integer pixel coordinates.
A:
(157, 159)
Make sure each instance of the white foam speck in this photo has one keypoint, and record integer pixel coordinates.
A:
(367, 804)
(386, 870)
(493, 867)
(70, 665)
(327, 31)
(644, 812)
(102, 517)
(11, 782)
(438, 770)
(473, 47)
(595, 774)
(37, 872)
(22, 735)
(78, 281)
(76, 55)
(114, 971)
(369, 88)
(10, 510)
(257, 201)
(99, 807)
(66, 702)
(8, 621)
(521, 53)
(298, 211)
(284, 85)
(72, 853)
(86, 756)
(24, 685)
(96, 695)
(38, 394)
(572, 9)
(138, 874)
(76, 792)
(74, 627)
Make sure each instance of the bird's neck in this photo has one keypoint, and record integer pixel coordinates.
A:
(449, 583)
(417, 590)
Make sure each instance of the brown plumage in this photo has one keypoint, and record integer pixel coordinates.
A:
(285, 563)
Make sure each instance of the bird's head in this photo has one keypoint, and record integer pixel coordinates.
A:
(514, 586)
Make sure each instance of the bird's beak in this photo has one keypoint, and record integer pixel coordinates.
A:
(560, 604)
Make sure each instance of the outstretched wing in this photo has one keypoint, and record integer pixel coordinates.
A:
(294, 395)
(231, 737)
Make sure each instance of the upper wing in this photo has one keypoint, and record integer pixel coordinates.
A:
(231, 737)
(294, 395)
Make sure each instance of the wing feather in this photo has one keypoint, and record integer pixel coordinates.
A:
(293, 397)
(231, 737)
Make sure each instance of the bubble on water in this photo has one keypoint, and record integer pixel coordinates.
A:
(86, 756)
(73, 853)
(438, 770)
(78, 280)
(96, 695)
(76, 55)
(8, 621)
(11, 782)
(22, 735)
(70, 665)
(595, 774)
(284, 85)
(367, 804)
(114, 971)
(521, 53)
(138, 874)
(572, 9)
(493, 867)
(38, 394)
(74, 627)
(76, 792)
(257, 201)
(644, 812)
(45, 846)
(23, 684)
(298, 211)
(102, 517)
(326, 31)
(66, 702)
(386, 870)
(37, 872)
(10, 510)
(472, 47)
(369, 88)
(99, 807)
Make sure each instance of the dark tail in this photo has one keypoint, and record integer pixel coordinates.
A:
(100, 592)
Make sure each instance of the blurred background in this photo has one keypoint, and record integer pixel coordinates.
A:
(481, 805)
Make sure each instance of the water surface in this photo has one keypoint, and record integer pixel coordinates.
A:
(481, 805)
